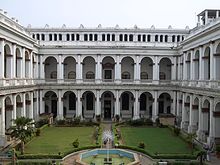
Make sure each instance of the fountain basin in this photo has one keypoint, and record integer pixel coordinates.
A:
(99, 157)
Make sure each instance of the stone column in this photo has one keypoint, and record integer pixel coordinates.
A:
(98, 69)
(98, 103)
(184, 67)
(36, 106)
(118, 70)
(136, 106)
(173, 69)
(79, 78)
(173, 110)
(23, 65)
(79, 104)
(60, 105)
(183, 112)
(137, 69)
(2, 59)
(60, 69)
(42, 73)
(13, 66)
(156, 71)
(201, 69)
(23, 111)
(177, 104)
(31, 113)
(117, 104)
(2, 121)
(31, 67)
(200, 117)
(192, 65)
(42, 102)
(155, 106)
(212, 123)
(191, 123)
(14, 113)
(211, 61)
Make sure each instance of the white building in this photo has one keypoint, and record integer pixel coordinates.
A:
(132, 73)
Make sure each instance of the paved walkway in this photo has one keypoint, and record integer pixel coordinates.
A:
(108, 127)
(213, 160)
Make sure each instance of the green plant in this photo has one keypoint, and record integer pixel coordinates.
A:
(38, 132)
(157, 121)
(176, 131)
(98, 118)
(141, 145)
(117, 118)
(76, 143)
(217, 148)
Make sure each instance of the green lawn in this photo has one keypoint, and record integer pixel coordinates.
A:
(59, 139)
(160, 140)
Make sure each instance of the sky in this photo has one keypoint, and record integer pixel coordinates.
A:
(108, 13)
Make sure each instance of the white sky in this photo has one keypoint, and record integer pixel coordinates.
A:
(108, 13)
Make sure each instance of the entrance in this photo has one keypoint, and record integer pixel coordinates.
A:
(54, 108)
(107, 109)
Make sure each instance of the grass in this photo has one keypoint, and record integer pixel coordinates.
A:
(59, 139)
(157, 140)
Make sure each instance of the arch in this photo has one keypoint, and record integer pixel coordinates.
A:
(127, 68)
(27, 64)
(206, 63)
(50, 65)
(195, 115)
(88, 105)
(188, 66)
(108, 68)
(146, 103)
(50, 98)
(27, 104)
(165, 69)
(69, 68)
(8, 112)
(7, 61)
(146, 68)
(164, 103)
(89, 68)
(127, 105)
(19, 106)
(107, 105)
(196, 65)
(18, 63)
(206, 118)
(69, 104)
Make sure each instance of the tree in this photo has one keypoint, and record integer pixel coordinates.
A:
(22, 130)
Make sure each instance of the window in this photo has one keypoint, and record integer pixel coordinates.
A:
(148, 38)
(162, 76)
(89, 101)
(125, 101)
(125, 37)
(182, 38)
(72, 37)
(71, 75)
(108, 37)
(53, 75)
(90, 37)
(166, 38)
(139, 38)
(103, 37)
(55, 37)
(77, 37)
(178, 38)
(38, 36)
(144, 38)
(50, 37)
(144, 75)
(173, 38)
(113, 37)
(85, 37)
(95, 37)
(125, 75)
(120, 37)
(90, 75)
(156, 38)
(33, 36)
(72, 101)
(42, 37)
(60, 37)
(130, 37)
(161, 38)
(67, 37)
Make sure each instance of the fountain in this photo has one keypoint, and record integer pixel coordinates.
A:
(107, 137)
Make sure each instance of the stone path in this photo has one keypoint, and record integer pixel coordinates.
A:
(213, 160)
(108, 127)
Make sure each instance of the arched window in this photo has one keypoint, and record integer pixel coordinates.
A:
(72, 75)
(162, 76)
(130, 37)
(125, 37)
(148, 38)
(77, 37)
(178, 38)
(108, 37)
(125, 101)
(144, 38)
(50, 37)
(67, 37)
(139, 38)
(143, 101)
(90, 37)
(161, 38)
(144, 75)
(85, 37)
(72, 37)
(89, 101)
(113, 37)
(166, 38)
(53, 75)
(72, 101)
(55, 37)
(42, 37)
(120, 37)
(60, 37)
(156, 38)
(95, 37)
(182, 38)
(90, 75)
(38, 36)
(173, 38)
(33, 36)
(103, 37)
(125, 75)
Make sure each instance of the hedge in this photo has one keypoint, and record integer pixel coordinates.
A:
(34, 163)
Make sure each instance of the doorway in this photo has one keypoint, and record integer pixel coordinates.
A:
(107, 109)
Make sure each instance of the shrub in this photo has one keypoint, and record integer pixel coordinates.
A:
(41, 122)
(38, 132)
(76, 120)
(117, 118)
(149, 122)
(157, 121)
(141, 145)
(61, 122)
(176, 131)
(98, 118)
(76, 143)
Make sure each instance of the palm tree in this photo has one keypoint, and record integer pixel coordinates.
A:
(22, 130)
